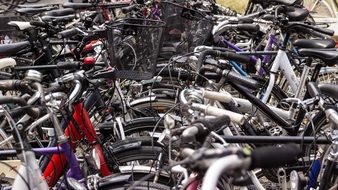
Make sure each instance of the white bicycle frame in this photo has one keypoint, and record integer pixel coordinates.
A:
(283, 64)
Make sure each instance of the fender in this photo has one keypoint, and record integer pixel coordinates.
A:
(142, 100)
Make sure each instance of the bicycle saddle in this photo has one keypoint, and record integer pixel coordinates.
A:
(314, 43)
(20, 25)
(329, 57)
(66, 18)
(298, 14)
(60, 12)
(33, 6)
(33, 10)
(12, 49)
(329, 90)
(7, 62)
(77, 5)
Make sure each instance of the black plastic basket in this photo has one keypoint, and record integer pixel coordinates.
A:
(186, 28)
(133, 45)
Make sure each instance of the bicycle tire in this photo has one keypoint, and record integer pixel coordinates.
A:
(6, 5)
(32, 1)
(319, 8)
(152, 108)
(143, 124)
(139, 186)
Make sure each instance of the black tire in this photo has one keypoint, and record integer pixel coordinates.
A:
(319, 123)
(143, 124)
(135, 149)
(140, 186)
(152, 108)
(6, 5)
(32, 1)
(140, 154)
(139, 151)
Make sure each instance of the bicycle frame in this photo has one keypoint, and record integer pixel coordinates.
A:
(271, 41)
(82, 129)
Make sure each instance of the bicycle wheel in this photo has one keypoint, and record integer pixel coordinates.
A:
(135, 152)
(143, 125)
(6, 5)
(32, 1)
(135, 149)
(319, 8)
(152, 108)
(136, 127)
(137, 185)
(318, 127)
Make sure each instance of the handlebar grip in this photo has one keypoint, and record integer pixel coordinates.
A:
(226, 55)
(34, 113)
(14, 85)
(211, 110)
(38, 23)
(245, 20)
(326, 31)
(5, 75)
(248, 27)
(127, 9)
(68, 65)
(214, 123)
(274, 156)
(68, 33)
(99, 33)
(313, 89)
(239, 79)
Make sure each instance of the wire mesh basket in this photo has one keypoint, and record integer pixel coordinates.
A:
(186, 28)
(133, 45)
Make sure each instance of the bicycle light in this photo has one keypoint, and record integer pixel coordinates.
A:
(89, 61)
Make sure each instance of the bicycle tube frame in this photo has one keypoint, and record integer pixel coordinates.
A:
(82, 128)
(265, 60)
(261, 106)
(281, 62)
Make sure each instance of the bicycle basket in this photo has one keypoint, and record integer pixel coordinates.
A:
(133, 45)
(185, 28)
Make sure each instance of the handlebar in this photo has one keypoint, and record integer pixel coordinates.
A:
(128, 9)
(33, 112)
(298, 26)
(68, 33)
(264, 157)
(274, 156)
(38, 24)
(15, 85)
(226, 55)
(210, 110)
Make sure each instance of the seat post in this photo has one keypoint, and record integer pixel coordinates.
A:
(303, 77)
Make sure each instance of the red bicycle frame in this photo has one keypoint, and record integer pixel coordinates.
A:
(76, 132)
